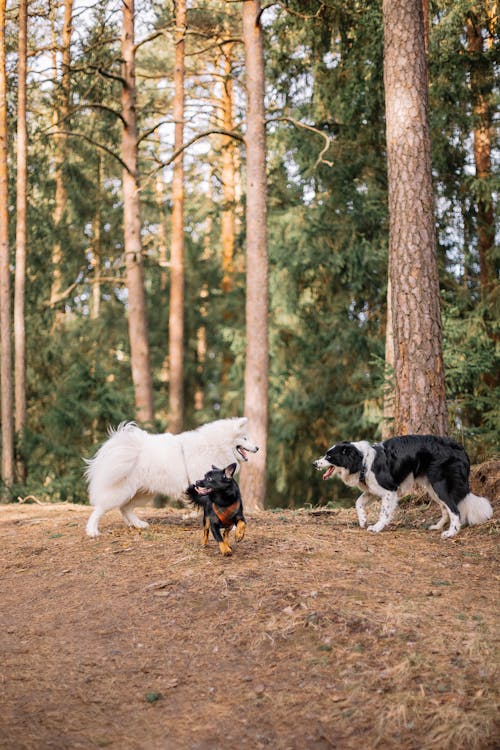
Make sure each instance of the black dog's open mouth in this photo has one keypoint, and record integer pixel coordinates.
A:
(242, 452)
(202, 490)
(328, 473)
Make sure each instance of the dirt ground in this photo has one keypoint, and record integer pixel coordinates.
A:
(314, 635)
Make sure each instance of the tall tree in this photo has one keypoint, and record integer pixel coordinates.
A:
(59, 120)
(228, 219)
(482, 82)
(20, 271)
(137, 314)
(5, 303)
(176, 316)
(253, 478)
(420, 402)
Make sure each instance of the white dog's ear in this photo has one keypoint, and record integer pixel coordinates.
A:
(243, 420)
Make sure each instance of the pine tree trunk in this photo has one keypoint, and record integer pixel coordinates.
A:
(137, 314)
(253, 475)
(228, 218)
(95, 307)
(420, 403)
(481, 88)
(387, 429)
(7, 430)
(20, 273)
(176, 316)
(61, 110)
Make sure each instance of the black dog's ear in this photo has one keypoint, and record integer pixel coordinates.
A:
(215, 468)
(229, 471)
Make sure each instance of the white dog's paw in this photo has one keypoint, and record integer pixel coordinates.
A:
(362, 523)
(448, 534)
(138, 524)
(376, 527)
(92, 533)
(435, 527)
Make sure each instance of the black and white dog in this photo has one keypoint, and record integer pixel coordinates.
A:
(389, 470)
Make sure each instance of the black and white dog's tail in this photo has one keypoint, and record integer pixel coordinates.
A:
(474, 509)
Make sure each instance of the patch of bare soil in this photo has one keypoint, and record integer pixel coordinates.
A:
(313, 635)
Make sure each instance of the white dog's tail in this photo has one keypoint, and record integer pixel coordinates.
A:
(115, 459)
(474, 509)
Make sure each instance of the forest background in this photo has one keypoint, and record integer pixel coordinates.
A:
(327, 218)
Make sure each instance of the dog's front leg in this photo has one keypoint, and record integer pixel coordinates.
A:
(360, 509)
(225, 548)
(387, 510)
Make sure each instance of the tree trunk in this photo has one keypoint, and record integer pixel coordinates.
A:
(5, 304)
(176, 317)
(137, 315)
(95, 306)
(228, 218)
(253, 476)
(61, 110)
(420, 402)
(481, 88)
(388, 395)
(20, 273)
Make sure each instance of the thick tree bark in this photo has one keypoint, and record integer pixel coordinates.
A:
(420, 402)
(5, 284)
(253, 476)
(21, 209)
(137, 314)
(61, 110)
(481, 89)
(176, 316)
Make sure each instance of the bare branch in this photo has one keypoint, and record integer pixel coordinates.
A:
(215, 131)
(298, 124)
(93, 143)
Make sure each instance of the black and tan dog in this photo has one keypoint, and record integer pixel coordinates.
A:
(219, 496)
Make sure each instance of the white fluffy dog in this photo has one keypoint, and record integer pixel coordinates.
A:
(132, 465)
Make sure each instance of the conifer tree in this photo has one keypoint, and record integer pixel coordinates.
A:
(257, 347)
(420, 401)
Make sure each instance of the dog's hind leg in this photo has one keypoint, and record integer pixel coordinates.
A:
(206, 530)
(128, 514)
(440, 493)
(240, 530)
(387, 510)
(444, 517)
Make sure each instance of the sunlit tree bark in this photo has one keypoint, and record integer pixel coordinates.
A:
(228, 179)
(95, 306)
(20, 271)
(481, 91)
(176, 317)
(137, 315)
(60, 115)
(420, 403)
(7, 416)
(253, 477)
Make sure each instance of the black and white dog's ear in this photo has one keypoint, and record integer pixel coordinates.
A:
(229, 471)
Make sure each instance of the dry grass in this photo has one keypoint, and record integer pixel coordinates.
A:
(314, 635)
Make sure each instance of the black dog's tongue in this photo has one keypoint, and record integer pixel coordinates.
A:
(202, 490)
